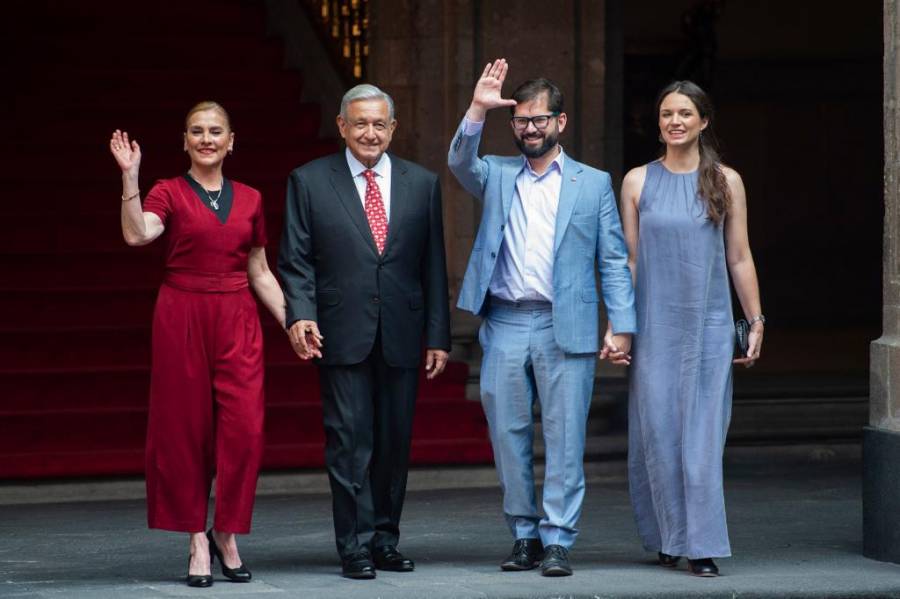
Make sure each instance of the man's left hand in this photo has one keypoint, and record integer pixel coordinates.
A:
(435, 361)
(616, 348)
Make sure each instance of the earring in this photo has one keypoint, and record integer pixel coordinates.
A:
(231, 150)
(660, 138)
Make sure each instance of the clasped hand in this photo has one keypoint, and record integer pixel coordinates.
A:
(616, 348)
(306, 339)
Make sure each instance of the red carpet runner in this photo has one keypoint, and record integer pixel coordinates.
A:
(75, 301)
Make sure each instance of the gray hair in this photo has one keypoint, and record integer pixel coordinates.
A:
(366, 91)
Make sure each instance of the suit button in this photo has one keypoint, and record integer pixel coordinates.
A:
(493, 254)
(376, 299)
(380, 266)
(502, 227)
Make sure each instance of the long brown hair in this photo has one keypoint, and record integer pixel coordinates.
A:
(713, 187)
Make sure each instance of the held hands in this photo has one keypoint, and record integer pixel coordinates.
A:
(487, 91)
(616, 347)
(754, 346)
(435, 361)
(306, 339)
(126, 152)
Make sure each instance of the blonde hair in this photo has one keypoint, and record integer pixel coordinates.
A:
(207, 105)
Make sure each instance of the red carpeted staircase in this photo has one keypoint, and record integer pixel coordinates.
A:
(75, 301)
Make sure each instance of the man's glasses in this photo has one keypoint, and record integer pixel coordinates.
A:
(520, 123)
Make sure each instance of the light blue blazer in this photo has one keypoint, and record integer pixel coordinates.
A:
(588, 232)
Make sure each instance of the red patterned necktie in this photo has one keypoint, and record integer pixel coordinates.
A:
(375, 213)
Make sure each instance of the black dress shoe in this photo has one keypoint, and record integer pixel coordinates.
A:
(526, 555)
(239, 574)
(669, 561)
(704, 567)
(198, 580)
(556, 561)
(387, 557)
(358, 566)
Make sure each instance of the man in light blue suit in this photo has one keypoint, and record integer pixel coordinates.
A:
(547, 221)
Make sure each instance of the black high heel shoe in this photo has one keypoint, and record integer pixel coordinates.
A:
(201, 580)
(239, 574)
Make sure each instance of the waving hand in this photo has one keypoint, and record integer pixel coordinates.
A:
(126, 152)
(487, 93)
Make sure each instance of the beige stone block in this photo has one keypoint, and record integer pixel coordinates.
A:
(884, 384)
(879, 383)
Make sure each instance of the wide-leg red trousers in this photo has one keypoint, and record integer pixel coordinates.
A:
(206, 410)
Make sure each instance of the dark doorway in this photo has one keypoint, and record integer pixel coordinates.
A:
(798, 94)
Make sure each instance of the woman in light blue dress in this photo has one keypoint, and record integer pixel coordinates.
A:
(685, 222)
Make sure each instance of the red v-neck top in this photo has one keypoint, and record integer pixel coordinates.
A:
(203, 254)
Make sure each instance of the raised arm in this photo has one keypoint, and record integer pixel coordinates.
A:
(138, 227)
(741, 266)
(487, 94)
(470, 170)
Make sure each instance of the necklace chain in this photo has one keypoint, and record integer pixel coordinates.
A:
(214, 202)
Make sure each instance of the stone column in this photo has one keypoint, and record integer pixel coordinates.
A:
(881, 441)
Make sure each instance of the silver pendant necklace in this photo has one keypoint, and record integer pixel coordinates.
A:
(213, 202)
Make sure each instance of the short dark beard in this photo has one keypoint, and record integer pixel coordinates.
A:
(550, 141)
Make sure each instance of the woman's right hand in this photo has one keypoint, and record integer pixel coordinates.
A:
(126, 152)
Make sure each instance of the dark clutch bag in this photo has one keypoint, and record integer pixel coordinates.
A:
(741, 338)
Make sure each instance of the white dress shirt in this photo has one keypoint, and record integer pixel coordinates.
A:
(382, 170)
(524, 269)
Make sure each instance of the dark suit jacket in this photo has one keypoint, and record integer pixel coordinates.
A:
(332, 273)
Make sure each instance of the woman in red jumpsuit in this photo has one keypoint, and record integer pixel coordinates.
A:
(206, 389)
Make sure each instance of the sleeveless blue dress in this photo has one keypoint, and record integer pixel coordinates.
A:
(680, 379)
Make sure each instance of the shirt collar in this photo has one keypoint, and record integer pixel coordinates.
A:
(559, 162)
(381, 168)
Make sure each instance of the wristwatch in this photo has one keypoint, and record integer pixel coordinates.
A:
(757, 318)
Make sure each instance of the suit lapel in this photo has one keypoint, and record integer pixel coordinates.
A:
(399, 196)
(342, 181)
(568, 194)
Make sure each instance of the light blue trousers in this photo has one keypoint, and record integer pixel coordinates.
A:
(521, 363)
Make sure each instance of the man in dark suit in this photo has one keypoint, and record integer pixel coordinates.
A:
(365, 279)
